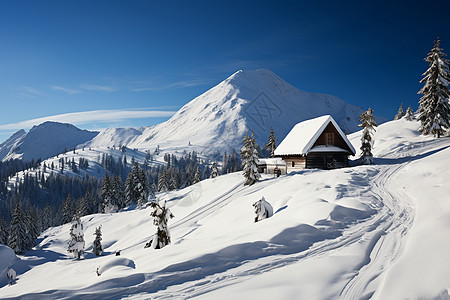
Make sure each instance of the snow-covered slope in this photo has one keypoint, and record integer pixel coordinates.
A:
(365, 232)
(247, 100)
(43, 141)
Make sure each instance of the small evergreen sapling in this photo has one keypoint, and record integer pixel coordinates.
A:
(409, 115)
(367, 123)
(272, 143)
(214, 171)
(400, 113)
(76, 243)
(263, 209)
(97, 245)
(161, 216)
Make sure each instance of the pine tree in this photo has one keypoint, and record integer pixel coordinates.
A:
(67, 214)
(196, 176)
(129, 190)
(108, 205)
(367, 123)
(271, 144)
(97, 245)
(141, 188)
(161, 216)
(32, 231)
(76, 243)
(118, 195)
(409, 115)
(214, 171)
(400, 112)
(18, 231)
(250, 156)
(3, 232)
(47, 217)
(434, 107)
(163, 184)
(82, 207)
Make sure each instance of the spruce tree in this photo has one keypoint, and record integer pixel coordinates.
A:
(250, 156)
(3, 232)
(163, 184)
(118, 195)
(409, 115)
(434, 107)
(141, 188)
(214, 171)
(106, 193)
(67, 214)
(76, 243)
(196, 176)
(32, 230)
(97, 245)
(271, 144)
(400, 112)
(129, 190)
(368, 124)
(161, 216)
(17, 231)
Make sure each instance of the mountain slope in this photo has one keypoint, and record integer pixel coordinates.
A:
(247, 100)
(378, 231)
(43, 141)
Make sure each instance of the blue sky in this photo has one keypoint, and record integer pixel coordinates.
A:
(151, 57)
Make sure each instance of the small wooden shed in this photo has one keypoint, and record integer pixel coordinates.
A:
(316, 143)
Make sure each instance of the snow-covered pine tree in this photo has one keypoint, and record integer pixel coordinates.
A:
(17, 231)
(197, 177)
(263, 209)
(82, 206)
(118, 195)
(3, 232)
(163, 182)
(129, 190)
(161, 216)
(107, 194)
(214, 171)
(32, 229)
(141, 188)
(400, 112)
(434, 107)
(367, 123)
(97, 245)
(250, 156)
(67, 214)
(409, 115)
(272, 143)
(76, 243)
(47, 217)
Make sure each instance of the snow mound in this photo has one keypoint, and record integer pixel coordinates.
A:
(115, 262)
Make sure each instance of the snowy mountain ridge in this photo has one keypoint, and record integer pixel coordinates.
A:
(215, 121)
(43, 141)
(218, 119)
(373, 232)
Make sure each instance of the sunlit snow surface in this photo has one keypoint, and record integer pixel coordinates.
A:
(380, 231)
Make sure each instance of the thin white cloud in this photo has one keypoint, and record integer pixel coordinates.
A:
(101, 88)
(141, 87)
(87, 117)
(63, 89)
(26, 91)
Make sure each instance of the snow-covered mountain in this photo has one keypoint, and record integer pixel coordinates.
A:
(365, 232)
(218, 119)
(43, 141)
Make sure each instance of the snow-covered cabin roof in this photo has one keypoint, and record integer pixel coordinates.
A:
(275, 161)
(302, 136)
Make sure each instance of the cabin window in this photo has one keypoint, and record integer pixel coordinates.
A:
(293, 164)
(329, 139)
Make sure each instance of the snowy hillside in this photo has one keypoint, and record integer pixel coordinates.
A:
(218, 119)
(378, 232)
(43, 141)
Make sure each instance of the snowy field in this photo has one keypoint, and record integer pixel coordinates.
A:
(365, 232)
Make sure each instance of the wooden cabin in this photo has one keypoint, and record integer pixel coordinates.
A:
(316, 143)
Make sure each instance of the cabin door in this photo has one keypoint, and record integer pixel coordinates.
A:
(330, 162)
